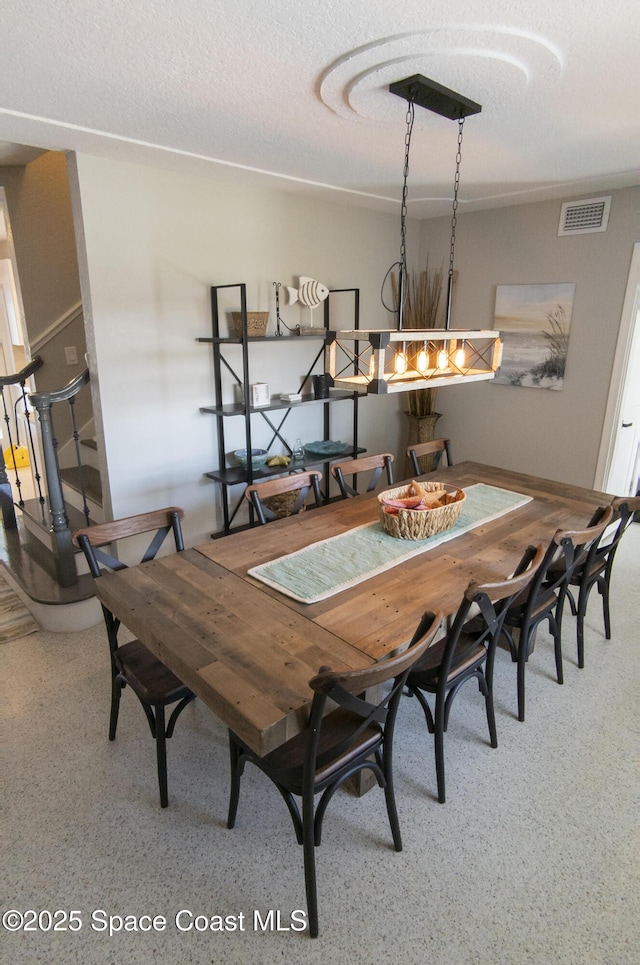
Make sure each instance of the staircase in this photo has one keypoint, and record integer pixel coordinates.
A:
(36, 554)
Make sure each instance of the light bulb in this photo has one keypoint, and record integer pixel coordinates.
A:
(422, 363)
(401, 363)
(459, 356)
(443, 358)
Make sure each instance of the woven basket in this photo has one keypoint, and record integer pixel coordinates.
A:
(421, 523)
(256, 323)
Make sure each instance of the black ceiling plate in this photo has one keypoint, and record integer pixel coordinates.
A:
(427, 93)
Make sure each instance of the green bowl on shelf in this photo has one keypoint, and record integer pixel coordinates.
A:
(326, 448)
(258, 457)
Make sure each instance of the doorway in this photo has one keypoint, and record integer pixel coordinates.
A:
(619, 460)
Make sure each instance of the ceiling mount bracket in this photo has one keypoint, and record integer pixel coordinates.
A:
(434, 97)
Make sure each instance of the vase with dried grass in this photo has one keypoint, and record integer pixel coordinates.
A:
(422, 307)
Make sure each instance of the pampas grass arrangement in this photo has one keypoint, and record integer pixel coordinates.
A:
(423, 299)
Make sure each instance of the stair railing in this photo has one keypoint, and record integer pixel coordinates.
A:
(43, 403)
(10, 405)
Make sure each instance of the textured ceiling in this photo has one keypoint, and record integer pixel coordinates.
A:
(295, 95)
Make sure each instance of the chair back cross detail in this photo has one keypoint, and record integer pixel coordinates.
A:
(376, 465)
(298, 485)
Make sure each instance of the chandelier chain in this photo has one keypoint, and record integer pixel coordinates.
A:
(405, 187)
(456, 188)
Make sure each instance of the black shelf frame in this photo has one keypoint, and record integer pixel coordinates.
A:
(236, 476)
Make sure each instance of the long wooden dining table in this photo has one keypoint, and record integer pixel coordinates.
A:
(248, 651)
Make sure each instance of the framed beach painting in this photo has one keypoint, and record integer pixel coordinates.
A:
(535, 322)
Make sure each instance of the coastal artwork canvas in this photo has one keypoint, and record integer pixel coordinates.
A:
(535, 322)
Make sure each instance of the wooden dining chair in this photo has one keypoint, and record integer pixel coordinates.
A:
(466, 652)
(596, 568)
(376, 465)
(155, 686)
(543, 601)
(284, 495)
(356, 735)
(436, 448)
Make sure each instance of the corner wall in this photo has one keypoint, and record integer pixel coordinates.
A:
(542, 432)
(154, 241)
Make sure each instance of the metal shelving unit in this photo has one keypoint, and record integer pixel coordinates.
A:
(232, 476)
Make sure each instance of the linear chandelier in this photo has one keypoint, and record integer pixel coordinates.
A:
(403, 359)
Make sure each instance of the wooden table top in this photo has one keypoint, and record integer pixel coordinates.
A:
(249, 651)
(248, 657)
(382, 613)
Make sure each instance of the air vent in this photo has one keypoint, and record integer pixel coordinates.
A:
(584, 217)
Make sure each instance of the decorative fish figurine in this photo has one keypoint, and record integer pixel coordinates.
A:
(310, 292)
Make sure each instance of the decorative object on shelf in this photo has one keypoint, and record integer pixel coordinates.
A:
(279, 461)
(321, 385)
(310, 293)
(291, 396)
(256, 323)
(419, 510)
(392, 360)
(326, 448)
(260, 394)
(279, 321)
(297, 453)
(258, 457)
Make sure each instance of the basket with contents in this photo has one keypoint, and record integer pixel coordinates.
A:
(420, 509)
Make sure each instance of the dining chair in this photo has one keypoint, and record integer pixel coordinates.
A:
(376, 465)
(356, 735)
(284, 495)
(543, 600)
(155, 686)
(436, 448)
(596, 567)
(465, 652)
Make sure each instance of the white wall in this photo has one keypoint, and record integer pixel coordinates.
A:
(543, 432)
(154, 242)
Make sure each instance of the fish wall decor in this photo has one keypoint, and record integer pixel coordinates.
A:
(309, 292)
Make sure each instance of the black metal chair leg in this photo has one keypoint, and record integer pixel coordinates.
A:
(605, 609)
(308, 844)
(234, 794)
(522, 665)
(116, 690)
(390, 798)
(491, 716)
(439, 748)
(161, 753)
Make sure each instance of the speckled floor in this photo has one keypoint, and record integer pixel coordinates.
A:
(530, 862)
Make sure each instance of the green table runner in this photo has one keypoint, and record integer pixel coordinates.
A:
(335, 564)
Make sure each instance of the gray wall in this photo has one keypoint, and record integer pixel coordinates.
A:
(544, 432)
(39, 204)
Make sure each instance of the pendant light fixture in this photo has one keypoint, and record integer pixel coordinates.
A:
(400, 360)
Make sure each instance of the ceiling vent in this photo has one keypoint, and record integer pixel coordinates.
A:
(584, 217)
